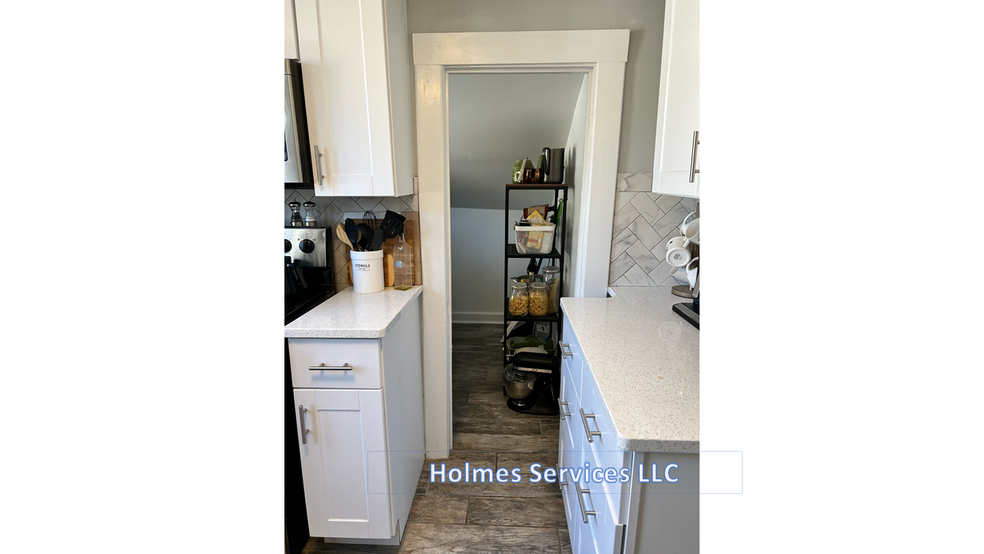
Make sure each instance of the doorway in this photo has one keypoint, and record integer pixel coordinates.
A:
(495, 119)
(599, 56)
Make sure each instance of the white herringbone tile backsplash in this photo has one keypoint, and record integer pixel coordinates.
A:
(644, 223)
(331, 210)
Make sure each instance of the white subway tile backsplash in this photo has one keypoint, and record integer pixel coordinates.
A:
(331, 211)
(647, 207)
(622, 219)
(622, 242)
(660, 249)
(642, 182)
(666, 202)
(619, 266)
(638, 277)
(643, 257)
(621, 184)
(670, 223)
(644, 231)
(622, 282)
(623, 198)
(644, 223)
(661, 273)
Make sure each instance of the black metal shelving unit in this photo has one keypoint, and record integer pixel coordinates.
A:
(555, 254)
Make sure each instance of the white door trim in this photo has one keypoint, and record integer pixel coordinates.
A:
(600, 54)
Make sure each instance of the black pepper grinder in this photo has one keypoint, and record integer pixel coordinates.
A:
(295, 216)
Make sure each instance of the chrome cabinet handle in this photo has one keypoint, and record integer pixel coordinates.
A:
(300, 411)
(562, 414)
(584, 420)
(566, 350)
(326, 367)
(580, 500)
(693, 157)
(317, 163)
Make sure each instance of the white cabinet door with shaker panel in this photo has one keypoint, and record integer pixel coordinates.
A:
(355, 62)
(676, 167)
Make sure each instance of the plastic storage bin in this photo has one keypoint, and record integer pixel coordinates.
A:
(536, 239)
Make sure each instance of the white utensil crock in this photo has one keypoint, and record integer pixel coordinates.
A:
(367, 271)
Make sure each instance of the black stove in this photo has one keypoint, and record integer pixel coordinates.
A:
(307, 283)
(319, 288)
(308, 275)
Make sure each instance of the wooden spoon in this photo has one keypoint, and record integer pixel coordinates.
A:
(340, 231)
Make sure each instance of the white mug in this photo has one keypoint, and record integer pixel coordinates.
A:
(683, 225)
(678, 252)
(692, 272)
(691, 231)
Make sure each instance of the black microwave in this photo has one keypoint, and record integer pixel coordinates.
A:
(297, 147)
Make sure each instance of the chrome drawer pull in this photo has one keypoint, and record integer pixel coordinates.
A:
(317, 164)
(584, 420)
(580, 500)
(300, 411)
(324, 367)
(693, 157)
(566, 351)
(562, 413)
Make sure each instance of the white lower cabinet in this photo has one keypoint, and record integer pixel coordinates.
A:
(618, 518)
(343, 459)
(359, 410)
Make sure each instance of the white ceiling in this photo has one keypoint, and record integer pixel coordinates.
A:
(496, 119)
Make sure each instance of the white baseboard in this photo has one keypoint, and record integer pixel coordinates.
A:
(476, 317)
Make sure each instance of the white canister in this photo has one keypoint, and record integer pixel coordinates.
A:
(367, 271)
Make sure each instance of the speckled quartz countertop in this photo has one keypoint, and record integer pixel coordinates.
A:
(645, 359)
(348, 315)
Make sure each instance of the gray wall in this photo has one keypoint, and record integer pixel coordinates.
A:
(498, 118)
(644, 18)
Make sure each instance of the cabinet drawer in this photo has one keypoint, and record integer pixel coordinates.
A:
(604, 447)
(568, 411)
(361, 356)
(573, 359)
(600, 534)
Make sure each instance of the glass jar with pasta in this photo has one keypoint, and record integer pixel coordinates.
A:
(538, 298)
(519, 300)
(551, 276)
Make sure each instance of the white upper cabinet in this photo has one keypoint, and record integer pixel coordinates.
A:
(355, 63)
(677, 162)
(290, 32)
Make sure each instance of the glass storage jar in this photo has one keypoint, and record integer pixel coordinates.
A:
(538, 298)
(519, 300)
(551, 276)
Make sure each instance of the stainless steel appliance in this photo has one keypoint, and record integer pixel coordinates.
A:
(297, 147)
(307, 246)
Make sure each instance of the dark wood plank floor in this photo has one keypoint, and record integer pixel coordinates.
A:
(483, 517)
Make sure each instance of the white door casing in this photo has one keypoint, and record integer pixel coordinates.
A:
(602, 55)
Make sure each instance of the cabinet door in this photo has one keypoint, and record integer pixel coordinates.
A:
(290, 31)
(344, 462)
(678, 117)
(342, 46)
